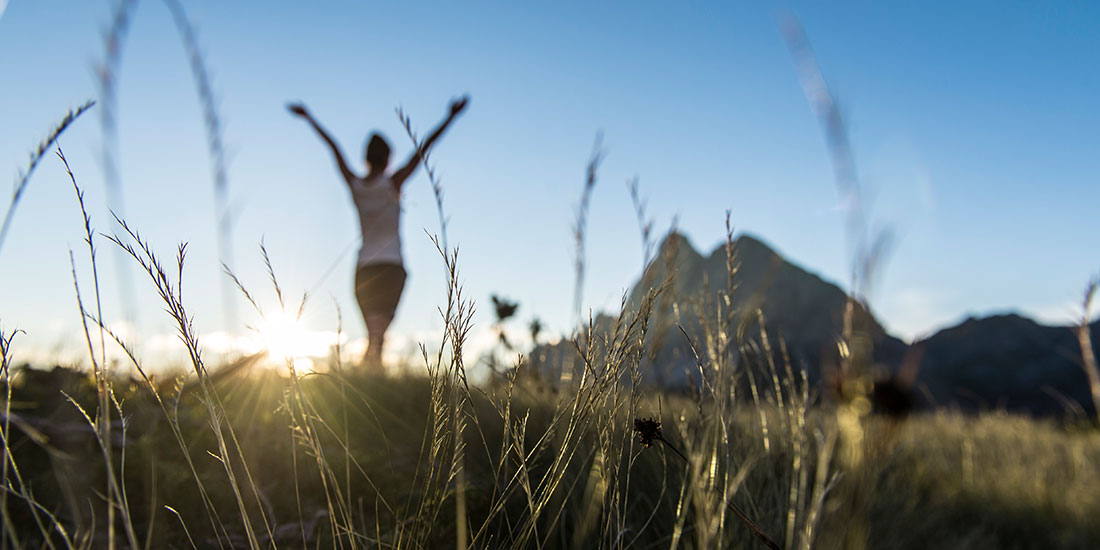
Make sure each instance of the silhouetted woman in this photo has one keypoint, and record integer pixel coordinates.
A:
(380, 272)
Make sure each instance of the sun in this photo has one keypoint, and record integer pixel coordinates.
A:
(284, 338)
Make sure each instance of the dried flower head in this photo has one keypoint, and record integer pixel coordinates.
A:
(536, 328)
(504, 308)
(649, 430)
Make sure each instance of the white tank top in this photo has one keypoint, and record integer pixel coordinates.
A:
(379, 207)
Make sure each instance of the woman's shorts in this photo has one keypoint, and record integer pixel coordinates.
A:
(378, 288)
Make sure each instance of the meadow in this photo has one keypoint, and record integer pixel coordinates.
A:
(343, 459)
(754, 456)
(589, 454)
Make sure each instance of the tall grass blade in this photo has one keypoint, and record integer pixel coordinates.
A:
(24, 176)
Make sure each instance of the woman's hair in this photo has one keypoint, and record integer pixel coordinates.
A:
(378, 151)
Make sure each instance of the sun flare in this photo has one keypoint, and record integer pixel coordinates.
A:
(285, 338)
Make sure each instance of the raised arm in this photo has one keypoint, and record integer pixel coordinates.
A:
(300, 110)
(405, 171)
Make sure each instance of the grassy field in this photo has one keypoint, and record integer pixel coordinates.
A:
(752, 457)
(330, 460)
(590, 456)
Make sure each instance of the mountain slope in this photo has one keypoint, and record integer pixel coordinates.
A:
(1001, 361)
(798, 306)
(1006, 362)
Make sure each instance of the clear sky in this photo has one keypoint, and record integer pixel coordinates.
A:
(976, 126)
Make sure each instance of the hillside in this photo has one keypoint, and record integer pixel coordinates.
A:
(998, 362)
(1005, 362)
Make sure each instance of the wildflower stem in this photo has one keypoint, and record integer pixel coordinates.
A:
(733, 507)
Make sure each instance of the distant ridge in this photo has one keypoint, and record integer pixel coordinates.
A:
(799, 306)
(1005, 362)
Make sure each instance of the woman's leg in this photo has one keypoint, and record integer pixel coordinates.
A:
(378, 290)
(377, 325)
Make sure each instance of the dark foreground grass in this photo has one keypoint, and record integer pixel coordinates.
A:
(939, 481)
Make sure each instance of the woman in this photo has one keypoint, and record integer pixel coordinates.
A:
(380, 272)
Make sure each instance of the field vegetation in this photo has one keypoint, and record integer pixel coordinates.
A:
(344, 459)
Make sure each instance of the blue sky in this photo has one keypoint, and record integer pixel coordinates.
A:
(975, 128)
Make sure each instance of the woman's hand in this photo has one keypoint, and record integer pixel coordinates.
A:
(459, 104)
(298, 109)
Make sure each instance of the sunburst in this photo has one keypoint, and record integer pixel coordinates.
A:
(285, 339)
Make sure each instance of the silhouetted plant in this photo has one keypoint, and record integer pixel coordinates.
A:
(649, 430)
(580, 223)
(869, 247)
(36, 155)
(212, 122)
(1084, 338)
(535, 328)
(504, 310)
(107, 77)
(645, 223)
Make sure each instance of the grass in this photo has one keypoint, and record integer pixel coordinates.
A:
(346, 456)
(342, 459)
(35, 157)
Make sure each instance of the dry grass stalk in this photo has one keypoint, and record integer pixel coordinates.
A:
(228, 447)
(580, 225)
(107, 73)
(437, 186)
(212, 122)
(25, 175)
(645, 223)
(580, 222)
(870, 246)
(116, 489)
(1084, 338)
(10, 532)
(649, 430)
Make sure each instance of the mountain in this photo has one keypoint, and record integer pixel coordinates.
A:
(800, 307)
(1005, 362)
(1002, 361)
